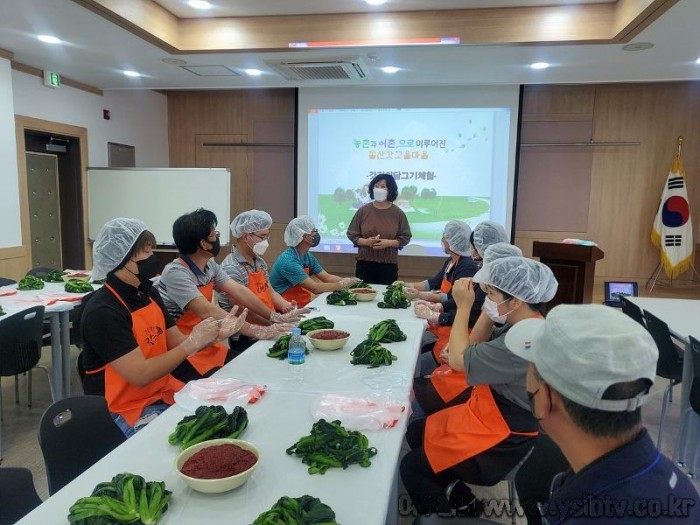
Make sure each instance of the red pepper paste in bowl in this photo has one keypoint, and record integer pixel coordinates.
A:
(219, 461)
(330, 334)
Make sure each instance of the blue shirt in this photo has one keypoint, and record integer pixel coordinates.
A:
(632, 484)
(288, 269)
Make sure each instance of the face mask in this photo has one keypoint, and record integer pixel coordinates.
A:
(148, 268)
(215, 246)
(491, 309)
(317, 239)
(261, 247)
(380, 194)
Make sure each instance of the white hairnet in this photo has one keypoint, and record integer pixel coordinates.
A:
(113, 243)
(500, 250)
(457, 236)
(250, 221)
(487, 233)
(528, 280)
(296, 229)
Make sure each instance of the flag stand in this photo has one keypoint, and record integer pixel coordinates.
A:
(654, 277)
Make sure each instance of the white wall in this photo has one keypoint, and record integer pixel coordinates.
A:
(138, 118)
(10, 229)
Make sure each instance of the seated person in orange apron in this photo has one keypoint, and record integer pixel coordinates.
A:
(481, 440)
(245, 265)
(130, 343)
(445, 386)
(297, 275)
(187, 286)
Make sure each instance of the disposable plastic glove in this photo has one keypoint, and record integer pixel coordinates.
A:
(288, 307)
(435, 307)
(202, 335)
(412, 293)
(231, 324)
(292, 316)
(445, 354)
(396, 283)
(274, 331)
(423, 312)
(347, 282)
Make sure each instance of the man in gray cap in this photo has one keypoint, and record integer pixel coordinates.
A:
(591, 368)
(246, 266)
(297, 274)
(130, 343)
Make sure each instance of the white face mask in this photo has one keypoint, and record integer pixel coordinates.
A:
(491, 309)
(380, 194)
(261, 247)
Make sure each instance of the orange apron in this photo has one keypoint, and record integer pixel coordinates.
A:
(442, 332)
(456, 434)
(127, 399)
(213, 355)
(258, 284)
(298, 293)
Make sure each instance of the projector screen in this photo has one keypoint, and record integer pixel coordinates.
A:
(450, 149)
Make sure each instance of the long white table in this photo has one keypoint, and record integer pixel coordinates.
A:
(357, 495)
(58, 314)
(683, 319)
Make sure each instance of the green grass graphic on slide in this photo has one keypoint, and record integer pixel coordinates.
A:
(438, 209)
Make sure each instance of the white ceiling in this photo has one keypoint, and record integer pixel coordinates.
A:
(96, 51)
(182, 9)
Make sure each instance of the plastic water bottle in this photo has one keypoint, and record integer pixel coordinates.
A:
(296, 356)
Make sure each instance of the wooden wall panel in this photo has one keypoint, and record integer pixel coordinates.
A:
(14, 262)
(626, 181)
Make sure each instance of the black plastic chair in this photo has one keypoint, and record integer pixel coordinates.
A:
(631, 309)
(18, 496)
(670, 363)
(20, 349)
(4, 281)
(693, 411)
(74, 434)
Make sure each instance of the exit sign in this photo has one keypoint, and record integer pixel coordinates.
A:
(52, 79)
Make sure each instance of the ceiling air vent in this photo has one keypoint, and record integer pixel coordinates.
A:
(337, 68)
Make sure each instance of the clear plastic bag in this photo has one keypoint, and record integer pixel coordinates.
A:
(368, 412)
(226, 392)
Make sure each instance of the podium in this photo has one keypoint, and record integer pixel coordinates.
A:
(574, 267)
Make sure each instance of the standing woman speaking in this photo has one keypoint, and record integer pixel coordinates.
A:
(379, 229)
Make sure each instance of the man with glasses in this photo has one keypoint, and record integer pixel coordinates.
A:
(246, 266)
(296, 273)
(590, 371)
(187, 286)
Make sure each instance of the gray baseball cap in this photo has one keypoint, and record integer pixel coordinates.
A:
(582, 350)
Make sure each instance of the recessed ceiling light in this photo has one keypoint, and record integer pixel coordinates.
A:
(390, 69)
(132, 74)
(376, 2)
(199, 4)
(697, 61)
(638, 46)
(48, 39)
(253, 72)
(539, 65)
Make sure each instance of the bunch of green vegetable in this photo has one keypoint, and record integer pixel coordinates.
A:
(54, 276)
(306, 510)
(341, 298)
(30, 282)
(386, 332)
(360, 284)
(78, 286)
(315, 323)
(99, 281)
(394, 297)
(371, 353)
(330, 445)
(281, 347)
(209, 422)
(128, 498)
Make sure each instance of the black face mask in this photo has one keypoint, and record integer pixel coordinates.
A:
(215, 246)
(317, 239)
(148, 268)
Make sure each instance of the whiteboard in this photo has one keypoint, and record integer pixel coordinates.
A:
(157, 196)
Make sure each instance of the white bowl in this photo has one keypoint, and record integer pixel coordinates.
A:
(215, 486)
(327, 344)
(364, 297)
(78, 276)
